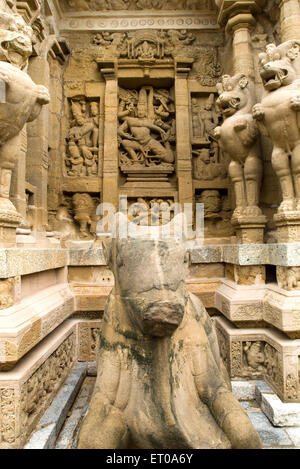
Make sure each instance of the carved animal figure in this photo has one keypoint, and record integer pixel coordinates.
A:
(278, 116)
(238, 139)
(23, 103)
(160, 382)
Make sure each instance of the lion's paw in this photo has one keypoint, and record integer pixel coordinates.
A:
(42, 93)
(258, 111)
(252, 211)
(287, 205)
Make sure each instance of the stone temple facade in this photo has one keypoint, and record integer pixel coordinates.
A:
(162, 102)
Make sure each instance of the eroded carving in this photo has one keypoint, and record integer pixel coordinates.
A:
(154, 329)
(98, 5)
(6, 293)
(288, 277)
(43, 384)
(15, 40)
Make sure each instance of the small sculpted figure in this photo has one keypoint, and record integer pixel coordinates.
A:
(238, 139)
(278, 116)
(161, 382)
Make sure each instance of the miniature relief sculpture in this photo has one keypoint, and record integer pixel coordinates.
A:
(146, 127)
(278, 116)
(160, 380)
(83, 139)
(23, 101)
(238, 138)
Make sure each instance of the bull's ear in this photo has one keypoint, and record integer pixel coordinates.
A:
(293, 52)
(107, 250)
(243, 82)
(219, 87)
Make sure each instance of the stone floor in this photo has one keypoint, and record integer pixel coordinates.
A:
(250, 393)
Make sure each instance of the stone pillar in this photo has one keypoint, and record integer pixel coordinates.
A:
(240, 26)
(37, 153)
(183, 140)
(290, 19)
(110, 189)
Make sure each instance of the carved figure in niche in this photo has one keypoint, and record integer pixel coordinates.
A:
(206, 69)
(139, 129)
(255, 356)
(271, 361)
(64, 223)
(216, 213)
(204, 166)
(82, 141)
(278, 116)
(6, 293)
(208, 117)
(238, 139)
(288, 277)
(84, 210)
(154, 212)
(159, 338)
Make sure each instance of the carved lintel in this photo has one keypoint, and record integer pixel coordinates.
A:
(58, 49)
(28, 9)
(183, 67)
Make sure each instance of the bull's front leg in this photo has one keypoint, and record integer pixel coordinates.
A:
(227, 411)
(104, 426)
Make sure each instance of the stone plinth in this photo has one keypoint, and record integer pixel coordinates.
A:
(25, 324)
(240, 303)
(281, 309)
(28, 390)
(249, 230)
(253, 353)
(288, 227)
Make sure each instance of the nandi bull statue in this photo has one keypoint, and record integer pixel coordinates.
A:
(160, 383)
(278, 116)
(21, 102)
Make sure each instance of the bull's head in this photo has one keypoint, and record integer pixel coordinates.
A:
(149, 278)
(280, 66)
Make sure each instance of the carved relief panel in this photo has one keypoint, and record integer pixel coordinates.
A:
(82, 140)
(147, 130)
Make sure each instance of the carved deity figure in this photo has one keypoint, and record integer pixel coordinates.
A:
(278, 116)
(82, 141)
(204, 168)
(84, 209)
(139, 130)
(238, 138)
(255, 356)
(161, 382)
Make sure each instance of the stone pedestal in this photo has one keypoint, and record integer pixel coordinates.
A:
(249, 230)
(288, 227)
(253, 353)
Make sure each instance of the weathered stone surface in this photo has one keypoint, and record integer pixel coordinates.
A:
(152, 326)
(261, 353)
